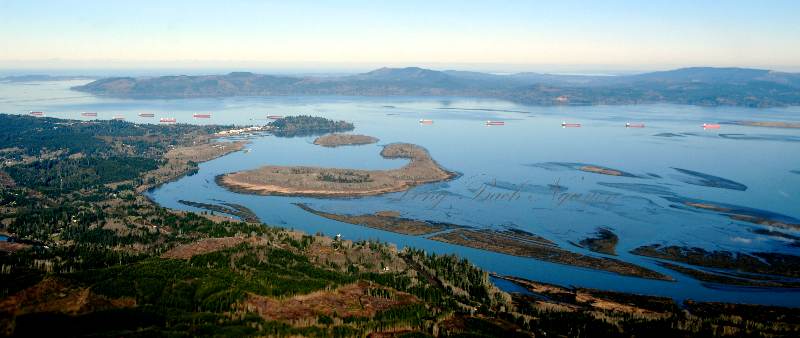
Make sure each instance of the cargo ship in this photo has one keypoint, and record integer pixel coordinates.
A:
(37, 113)
(495, 123)
(426, 121)
(202, 116)
(634, 125)
(147, 115)
(167, 120)
(119, 118)
(89, 114)
(710, 126)
(570, 125)
(274, 117)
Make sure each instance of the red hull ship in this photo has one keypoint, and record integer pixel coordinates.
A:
(37, 113)
(426, 121)
(495, 123)
(274, 117)
(202, 116)
(634, 125)
(710, 126)
(167, 120)
(570, 125)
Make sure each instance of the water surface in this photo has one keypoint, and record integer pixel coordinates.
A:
(500, 159)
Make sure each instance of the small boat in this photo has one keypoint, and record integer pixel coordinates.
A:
(167, 120)
(89, 114)
(118, 118)
(36, 113)
(634, 125)
(710, 126)
(570, 125)
(274, 117)
(426, 121)
(202, 116)
(495, 123)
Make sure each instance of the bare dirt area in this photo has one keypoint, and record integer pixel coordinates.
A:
(337, 140)
(207, 245)
(6, 246)
(6, 181)
(336, 182)
(55, 295)
(361, 299)
(600, 170)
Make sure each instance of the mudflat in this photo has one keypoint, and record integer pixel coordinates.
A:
(337, 140)
(769, 124)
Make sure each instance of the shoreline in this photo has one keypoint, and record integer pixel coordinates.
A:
(340, 182)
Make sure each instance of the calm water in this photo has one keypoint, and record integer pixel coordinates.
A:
(502, 159)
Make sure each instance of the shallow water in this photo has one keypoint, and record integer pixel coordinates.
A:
(562, 205)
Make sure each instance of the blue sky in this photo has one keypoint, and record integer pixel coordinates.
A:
(513, 35)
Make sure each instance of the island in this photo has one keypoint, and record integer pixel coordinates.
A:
(336, 140)
(304, 125)
(522, 244)
(605, 242)
(385, 220)
(601, 170)
(337, 182)
(762, 269)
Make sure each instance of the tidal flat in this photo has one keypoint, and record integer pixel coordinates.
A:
(338, 140)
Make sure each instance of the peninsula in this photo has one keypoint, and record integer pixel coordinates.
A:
(337, 182)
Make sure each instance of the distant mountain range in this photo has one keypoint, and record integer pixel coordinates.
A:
(697, 86)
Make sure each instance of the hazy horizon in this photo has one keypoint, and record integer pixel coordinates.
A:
(342, 70)
(354, 36)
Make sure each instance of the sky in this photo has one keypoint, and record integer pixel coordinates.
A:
(562, 36)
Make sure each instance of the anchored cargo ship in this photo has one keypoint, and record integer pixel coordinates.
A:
(634, 125)
(710, 126)
(147, 115)
(167, 120)
(89, 114)
(274, 117)
(570, 125)
(426, 121)
(202, 116)
(495, 123)
(37, 113)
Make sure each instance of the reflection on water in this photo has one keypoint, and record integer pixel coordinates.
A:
(498, 189)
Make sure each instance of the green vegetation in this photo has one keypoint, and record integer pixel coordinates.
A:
(703, 86)
(93, 257)
(304, 125)
(65, 175)
(347, 176)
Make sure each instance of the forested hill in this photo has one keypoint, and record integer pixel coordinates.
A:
(696, 86)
